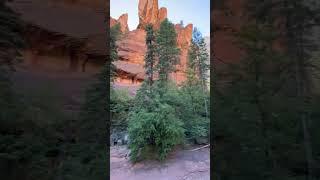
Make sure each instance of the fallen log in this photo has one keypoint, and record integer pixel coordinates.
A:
(200, 147)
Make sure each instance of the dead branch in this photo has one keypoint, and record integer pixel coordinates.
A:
(200, 147)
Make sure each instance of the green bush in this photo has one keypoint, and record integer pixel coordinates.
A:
(120, 105)
(191, 110)
(164, 116)
(160, 129)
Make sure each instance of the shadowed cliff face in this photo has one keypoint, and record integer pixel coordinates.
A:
(132, 46)
(95, 4)
(227, 19)
(63, 32)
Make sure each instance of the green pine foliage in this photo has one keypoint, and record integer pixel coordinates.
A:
(198, 60)
(94, 113)
(88, 155)
(11, 42)
(150, 55)
(12, 142)
(120, 100)
(191, 110)
(250, 118)
(260, 112)
(115, 34)
(120, 105)
(153, 122)
(194, 93)
(11, 38)
(159, 128)
(167, 50)
(298, 27)
(165, 115)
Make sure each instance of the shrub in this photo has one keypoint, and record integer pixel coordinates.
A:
(191, 110)
(120, 105)
(160, 129)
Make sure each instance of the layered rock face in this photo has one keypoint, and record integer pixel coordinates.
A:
(184, 35)
(132, 48)
(123, 21)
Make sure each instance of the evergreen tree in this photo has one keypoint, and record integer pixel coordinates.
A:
(90, 149)
(121, 103)
(198, 56)
(181, 23)
(198, 59)
(297, 20)
(114, 36)
(150, 55)
(262, 118)
(252, 112)
(94, 113)
(11, 37)
(152, 123)
(193, 95)
(159, 130)
(11, 43)
(167, 51)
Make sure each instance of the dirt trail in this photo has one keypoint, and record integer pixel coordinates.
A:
(181, 165)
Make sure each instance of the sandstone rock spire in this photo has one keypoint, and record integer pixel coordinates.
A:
(122, 20)
(149, 13)
(132, 48)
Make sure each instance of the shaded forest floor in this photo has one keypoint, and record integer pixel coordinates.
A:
(181, 164)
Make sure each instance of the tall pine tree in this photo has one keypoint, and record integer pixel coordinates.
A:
(167, 51)
(152, 123)
(150, 55)
(296, 20)
(11, 43)
(263, 119)
(198, 59)
(94, 116)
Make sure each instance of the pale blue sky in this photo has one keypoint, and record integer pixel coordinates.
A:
(196, 12)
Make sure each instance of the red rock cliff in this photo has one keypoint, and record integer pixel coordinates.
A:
(122, 20)
(132, 46)
(149, 13)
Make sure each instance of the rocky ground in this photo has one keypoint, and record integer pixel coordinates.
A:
(182, 164)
